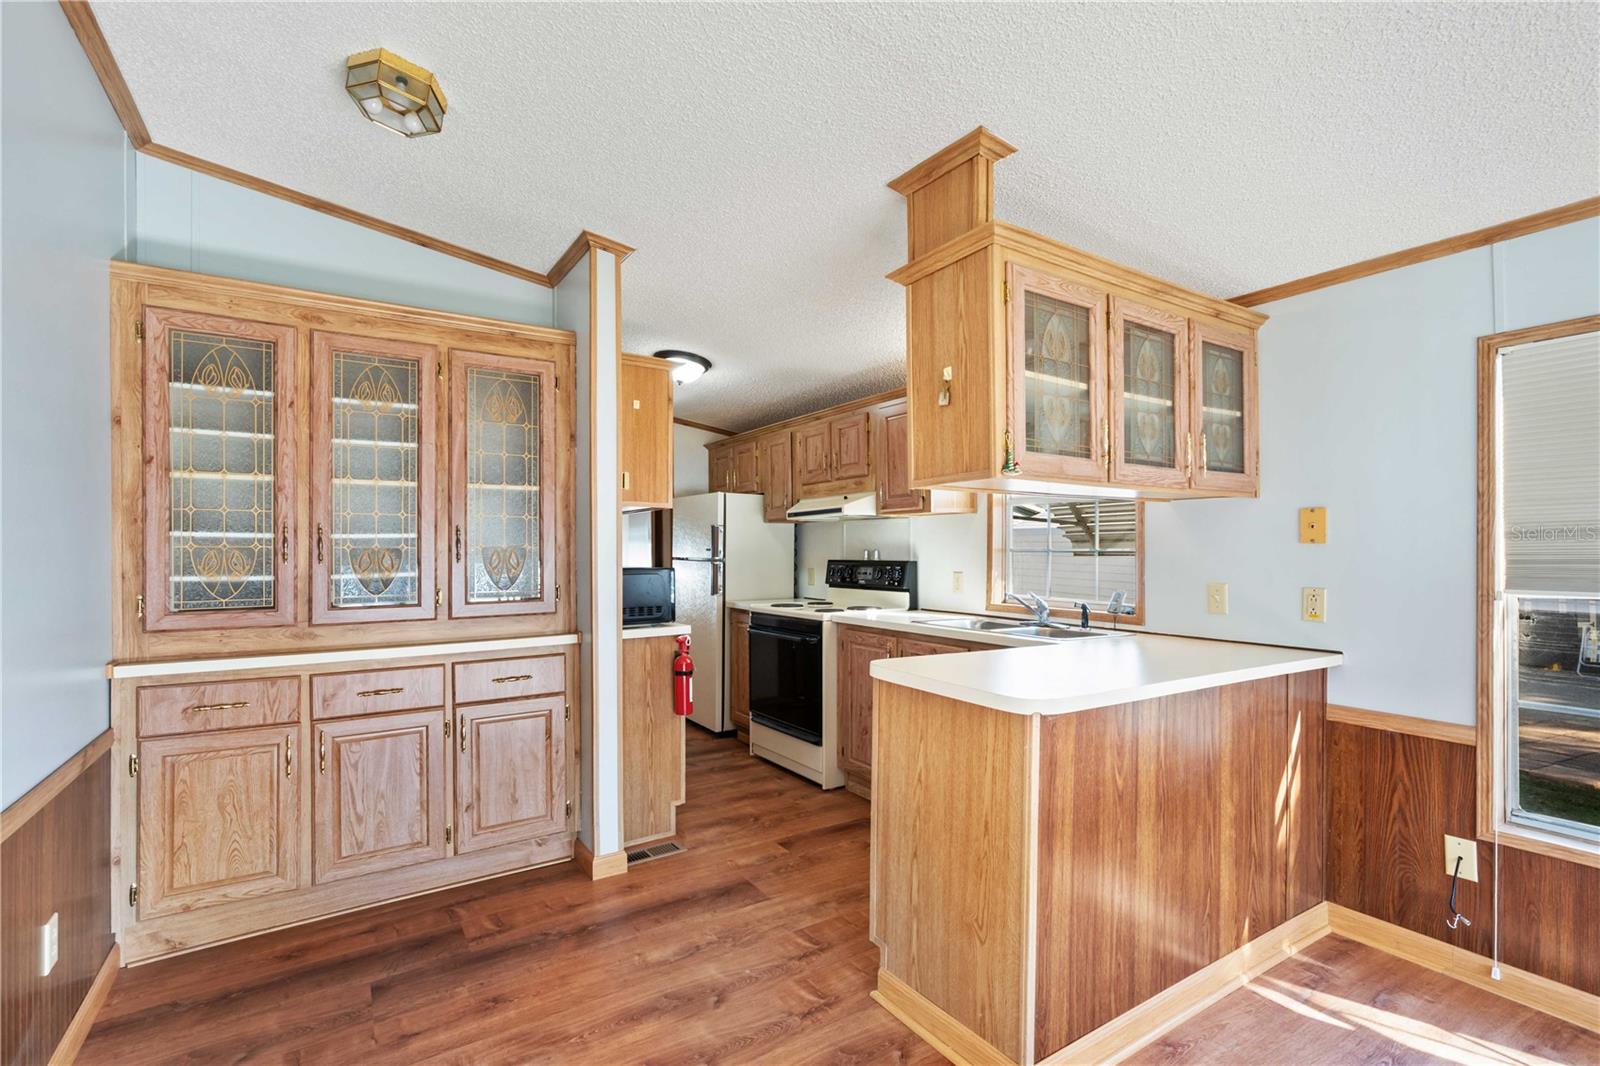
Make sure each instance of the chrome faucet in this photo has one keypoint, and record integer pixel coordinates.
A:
(1033, 602)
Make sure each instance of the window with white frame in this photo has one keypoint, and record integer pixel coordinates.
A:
(1069, 550)
(1546, 565)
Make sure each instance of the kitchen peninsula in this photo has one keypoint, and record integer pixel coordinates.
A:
(1061, 833)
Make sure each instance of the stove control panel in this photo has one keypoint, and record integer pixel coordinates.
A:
(882, 575)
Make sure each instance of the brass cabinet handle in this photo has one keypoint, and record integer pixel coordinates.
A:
(288, 755)
(512, 677)
(379, 692)
(461, 731)
(1203, 465)
(458, 544)
(322, 751)
(201, 708)
(285, 553)
(1188, 454)
(319, 542)
(624, 480)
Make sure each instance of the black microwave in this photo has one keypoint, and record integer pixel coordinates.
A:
(649, 595)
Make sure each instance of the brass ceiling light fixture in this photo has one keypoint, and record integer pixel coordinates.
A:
(395, 93)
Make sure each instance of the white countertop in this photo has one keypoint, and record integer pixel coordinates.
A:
(340, 655)
(664, 629)
(1092, 672)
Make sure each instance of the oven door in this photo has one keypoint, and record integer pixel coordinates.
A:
(786, 675)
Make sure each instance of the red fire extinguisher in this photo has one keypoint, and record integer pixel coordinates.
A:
(683, 680)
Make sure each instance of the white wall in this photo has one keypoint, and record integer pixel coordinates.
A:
(689, 462)
(63, 216)
(1368, 408)
(191, 221)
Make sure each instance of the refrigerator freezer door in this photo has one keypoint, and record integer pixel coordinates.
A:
(702, 612)
(759, 554)
(693, 519)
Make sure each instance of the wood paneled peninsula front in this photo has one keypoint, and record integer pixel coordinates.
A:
(1061, 834)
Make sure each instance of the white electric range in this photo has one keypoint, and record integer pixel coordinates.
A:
(793, 672)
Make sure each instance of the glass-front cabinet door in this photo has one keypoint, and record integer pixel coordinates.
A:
(1056, 339)
(502, 485)
(374, 448)
(219, 470)
(1149, 396)
(1224, 408)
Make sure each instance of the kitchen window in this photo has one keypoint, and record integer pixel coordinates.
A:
(1539, 588)
(1068, 549)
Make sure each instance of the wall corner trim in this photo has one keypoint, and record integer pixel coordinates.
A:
(39, 796)
(82, 1021)
(599, 867)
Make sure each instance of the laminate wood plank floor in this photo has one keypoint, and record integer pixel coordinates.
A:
(750, 947)
(1340, 1002)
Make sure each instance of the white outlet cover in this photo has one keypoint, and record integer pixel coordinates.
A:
(49, 944)
(1313, 604)
(1217, 597)
(1467, 850)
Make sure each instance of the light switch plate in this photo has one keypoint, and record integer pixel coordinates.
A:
(1313, 525)
(49, 944)
(1217, 597)
(1467, 850)
(811, 576)
(1313, 604)
(956, 577)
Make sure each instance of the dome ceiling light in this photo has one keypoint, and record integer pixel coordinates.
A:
(395, 93)
(686, 366)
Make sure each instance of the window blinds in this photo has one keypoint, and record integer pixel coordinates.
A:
(1550, 466)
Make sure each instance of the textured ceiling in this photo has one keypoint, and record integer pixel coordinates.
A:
(744, 149)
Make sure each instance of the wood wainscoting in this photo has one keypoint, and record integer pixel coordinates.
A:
(56, 858)
(1393, 797)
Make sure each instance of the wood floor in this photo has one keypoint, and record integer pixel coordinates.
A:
(750, 948)
(1342, 1002)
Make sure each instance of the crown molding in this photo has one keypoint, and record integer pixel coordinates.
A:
(87, 28)
(980, 142)
(581, 245)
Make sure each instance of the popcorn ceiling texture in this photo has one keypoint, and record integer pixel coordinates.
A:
(744, 149)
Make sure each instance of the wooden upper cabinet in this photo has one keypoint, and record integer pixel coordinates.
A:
(220, 818)
(813, 456)
(721, 477)
(850, 440)
(777, 476)
(1150, 397)
(858, 650)
(380, 796)
(374, 493)
(644, 395)
(219, 472)
(1223, 408)
(894, 474)
(511, 771)
(746, 467)
(503, 485)
(1056, 349)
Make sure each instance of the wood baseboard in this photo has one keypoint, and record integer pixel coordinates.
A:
(1529, 989)
(599, 867)
(78, 1031)
(949, 1037)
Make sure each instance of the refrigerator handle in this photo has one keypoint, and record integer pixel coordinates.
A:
(716, 577)
(716, 543)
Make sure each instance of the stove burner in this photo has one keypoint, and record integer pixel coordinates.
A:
(786, 605)
(828, 610)
(861, 608)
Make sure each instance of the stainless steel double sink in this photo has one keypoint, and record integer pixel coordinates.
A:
(1017, 629)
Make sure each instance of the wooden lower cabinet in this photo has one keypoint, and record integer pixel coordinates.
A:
(652, 741)
(739, 672)
(858, 649)
(380, 795)
(510, 772)
(221, 818)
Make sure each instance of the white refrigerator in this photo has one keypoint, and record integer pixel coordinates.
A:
(723, 552)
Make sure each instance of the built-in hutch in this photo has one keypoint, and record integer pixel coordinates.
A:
(343, 659)
(1032, 365)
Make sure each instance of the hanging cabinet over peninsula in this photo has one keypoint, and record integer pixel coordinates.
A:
(1034, 366)
(291, 467)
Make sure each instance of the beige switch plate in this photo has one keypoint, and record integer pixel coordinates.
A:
(956, 577)
(1217, 597)
(1313, 525)
(811, 575)
(1468, 850)
(1313, 604)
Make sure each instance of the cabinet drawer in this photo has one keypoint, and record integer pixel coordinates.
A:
(505, 679)
(165, 710)
(377, 692)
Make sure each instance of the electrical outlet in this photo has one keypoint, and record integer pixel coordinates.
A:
(1467, 850)
(1313, 604)
(49, 945)
(956, 577)
(811, 576)
(1217, 597)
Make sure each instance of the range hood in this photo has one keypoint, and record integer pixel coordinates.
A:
(835, 508)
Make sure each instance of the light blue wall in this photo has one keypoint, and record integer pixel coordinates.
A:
(62, 213)
(190, 221)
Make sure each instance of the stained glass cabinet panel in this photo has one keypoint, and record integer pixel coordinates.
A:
(502, 485)
(1057, 351)
(1224, 408)
(374, 454)
(1150, 443)
(219, 448)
